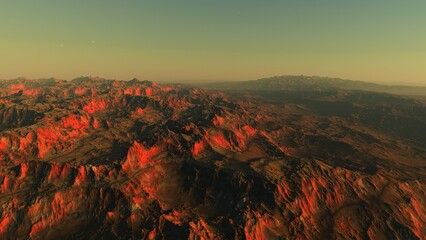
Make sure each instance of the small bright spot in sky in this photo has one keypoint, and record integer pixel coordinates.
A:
(93, 42)
(62, 45)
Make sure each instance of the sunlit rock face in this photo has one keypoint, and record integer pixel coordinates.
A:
(94, 158)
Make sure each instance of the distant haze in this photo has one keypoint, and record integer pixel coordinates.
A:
(195, 40)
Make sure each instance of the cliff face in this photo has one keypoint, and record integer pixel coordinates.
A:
(102, 159)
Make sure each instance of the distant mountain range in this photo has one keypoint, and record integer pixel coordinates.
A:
(315, 83)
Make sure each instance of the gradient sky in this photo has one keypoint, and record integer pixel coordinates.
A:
(181, 40)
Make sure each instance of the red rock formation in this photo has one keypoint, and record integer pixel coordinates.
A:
(199, 147)
(139, 157)
(95, 105)
(218, 121)
(81, 91)
(4, 224)
(220, 140)
(59, 134)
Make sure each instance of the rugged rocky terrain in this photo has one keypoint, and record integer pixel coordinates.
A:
(102, 159)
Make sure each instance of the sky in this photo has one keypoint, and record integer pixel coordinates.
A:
(214, 40)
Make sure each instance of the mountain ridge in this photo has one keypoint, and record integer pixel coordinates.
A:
(317, 83)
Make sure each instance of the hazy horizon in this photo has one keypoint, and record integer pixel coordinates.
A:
(185, 81)
(163, 41)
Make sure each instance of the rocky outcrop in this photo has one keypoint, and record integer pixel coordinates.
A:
(12, 116)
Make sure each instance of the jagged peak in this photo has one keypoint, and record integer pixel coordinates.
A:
(147, 83)
(84, 79)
